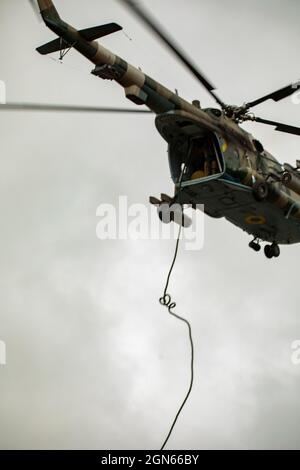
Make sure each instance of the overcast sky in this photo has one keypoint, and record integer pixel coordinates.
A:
(93, 360)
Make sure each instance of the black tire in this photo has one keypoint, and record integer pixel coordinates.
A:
(275, 250)
(255, 246)
(268, 251)
(260, 191)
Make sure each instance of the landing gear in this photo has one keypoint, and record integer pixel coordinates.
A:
(272, 251)
(254, 245)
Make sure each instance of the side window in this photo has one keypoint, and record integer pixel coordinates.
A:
(258, 146)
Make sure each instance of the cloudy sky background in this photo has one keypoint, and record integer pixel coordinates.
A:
(93, 360)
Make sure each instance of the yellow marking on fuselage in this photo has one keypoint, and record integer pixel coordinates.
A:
(224, 146)
(255, 220)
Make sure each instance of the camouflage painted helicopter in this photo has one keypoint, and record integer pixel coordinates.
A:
(212, 160)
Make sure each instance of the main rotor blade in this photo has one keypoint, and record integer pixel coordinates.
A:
(279, 126)
(277, 95)
(67, 108)
(165, 38)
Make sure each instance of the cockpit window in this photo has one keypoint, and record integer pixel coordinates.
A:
(268, 163)
(201, 156)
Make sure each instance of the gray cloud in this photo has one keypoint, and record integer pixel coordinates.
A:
(93, 360)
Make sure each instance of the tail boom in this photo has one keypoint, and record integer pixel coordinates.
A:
(47, 9)
(139, 88)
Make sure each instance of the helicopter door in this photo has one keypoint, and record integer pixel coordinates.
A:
(204, 159)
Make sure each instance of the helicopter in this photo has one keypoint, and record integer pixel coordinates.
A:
(213, 161)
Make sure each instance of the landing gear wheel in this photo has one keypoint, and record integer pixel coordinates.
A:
(275, 250)
(255, 246)
(260, 191)
(272, 251)
(268, 251)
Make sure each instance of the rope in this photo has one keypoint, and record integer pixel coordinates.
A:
(166, 301)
